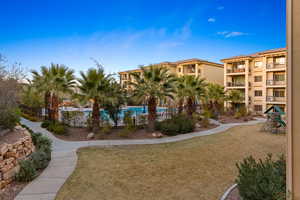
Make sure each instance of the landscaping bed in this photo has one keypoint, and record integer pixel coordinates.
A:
(227, 119)
(23, 156)
(199, 168)
(80, 134)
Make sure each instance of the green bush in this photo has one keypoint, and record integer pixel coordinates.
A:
(45, 124)
(27, 171)
(205, 122)
(106, 128)
(40, 159)
(263, 179)
(9, 118)
(179, 124)
(57, 128)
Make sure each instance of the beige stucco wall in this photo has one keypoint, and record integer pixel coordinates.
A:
(293, 173)
(213, 74)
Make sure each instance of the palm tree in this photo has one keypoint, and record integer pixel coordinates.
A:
(151, 85)
(54, 82)
(191, 89)
(235, 97)
(215, 96)
(93, 86)
(41, 83)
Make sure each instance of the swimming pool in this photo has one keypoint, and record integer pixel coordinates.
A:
(135, 110)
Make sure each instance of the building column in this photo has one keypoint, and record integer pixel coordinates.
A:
(247, 84)
(293, 151)
(264, 83)
(196, 70)
(225, 83)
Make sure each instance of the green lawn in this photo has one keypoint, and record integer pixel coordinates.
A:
(197, 169)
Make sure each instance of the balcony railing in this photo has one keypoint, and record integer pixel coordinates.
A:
(275, 65)
(233, 84)
(275, 99)
(236, 70)
(273, 82)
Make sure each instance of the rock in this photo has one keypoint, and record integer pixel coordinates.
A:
(3, 148)
(157, 135)
(198, 125)
(90, 136)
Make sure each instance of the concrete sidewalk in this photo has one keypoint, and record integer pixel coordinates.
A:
(64, 157)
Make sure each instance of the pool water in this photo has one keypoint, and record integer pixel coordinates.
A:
(135, 110)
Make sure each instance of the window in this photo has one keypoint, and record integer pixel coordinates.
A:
(258, 108)
(278, 77)
(258, 93)
(257, 78)
(179, 70)
(258, 64)
(199, 71)
(279, 93)
(280, 60)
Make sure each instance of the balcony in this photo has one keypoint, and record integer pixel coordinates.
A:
(241, 70)
(275, 66)
(235, 84)
(271, 83)
(275, 99)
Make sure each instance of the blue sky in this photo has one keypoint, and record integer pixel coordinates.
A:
(124, 34)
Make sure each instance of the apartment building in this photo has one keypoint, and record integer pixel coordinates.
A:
(212, 72)
(261, 77)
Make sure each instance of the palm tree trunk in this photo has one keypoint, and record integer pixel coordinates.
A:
(96, 116)
(47, 99)
(55, 106)
(151, 113)
(180, 106)
(190, 107)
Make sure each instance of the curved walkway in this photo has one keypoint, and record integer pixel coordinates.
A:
(64, 157)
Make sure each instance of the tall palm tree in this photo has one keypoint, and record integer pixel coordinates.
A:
(93, 86)
(41, 83)
(235, 97)
(151, 85)
(191, 90)
(54, 82)
(215, 96)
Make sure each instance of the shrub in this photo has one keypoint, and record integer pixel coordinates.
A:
(9, 118)
(57, 128)
(106, 128)
(125, 132)
(178, 124)
(45, 124)
(265, 179)
(40, 159)
(44, 144)
(27, 171)
(29, 117)
(205, 122)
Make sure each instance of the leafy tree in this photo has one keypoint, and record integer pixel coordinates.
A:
(93, 87)
(191, 90)
(115, 99)
(151, 85)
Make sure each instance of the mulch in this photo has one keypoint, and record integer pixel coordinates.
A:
(11, 191)
(80, 134)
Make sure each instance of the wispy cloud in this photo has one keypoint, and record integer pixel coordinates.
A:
(220, 8)
(211, 19)
(185, 31)
(229, 34)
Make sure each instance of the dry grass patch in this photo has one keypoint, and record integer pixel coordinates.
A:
(200, 168)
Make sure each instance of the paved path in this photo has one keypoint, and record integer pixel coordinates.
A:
(64, 158)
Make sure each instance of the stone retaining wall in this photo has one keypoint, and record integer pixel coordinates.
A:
(10, 154)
